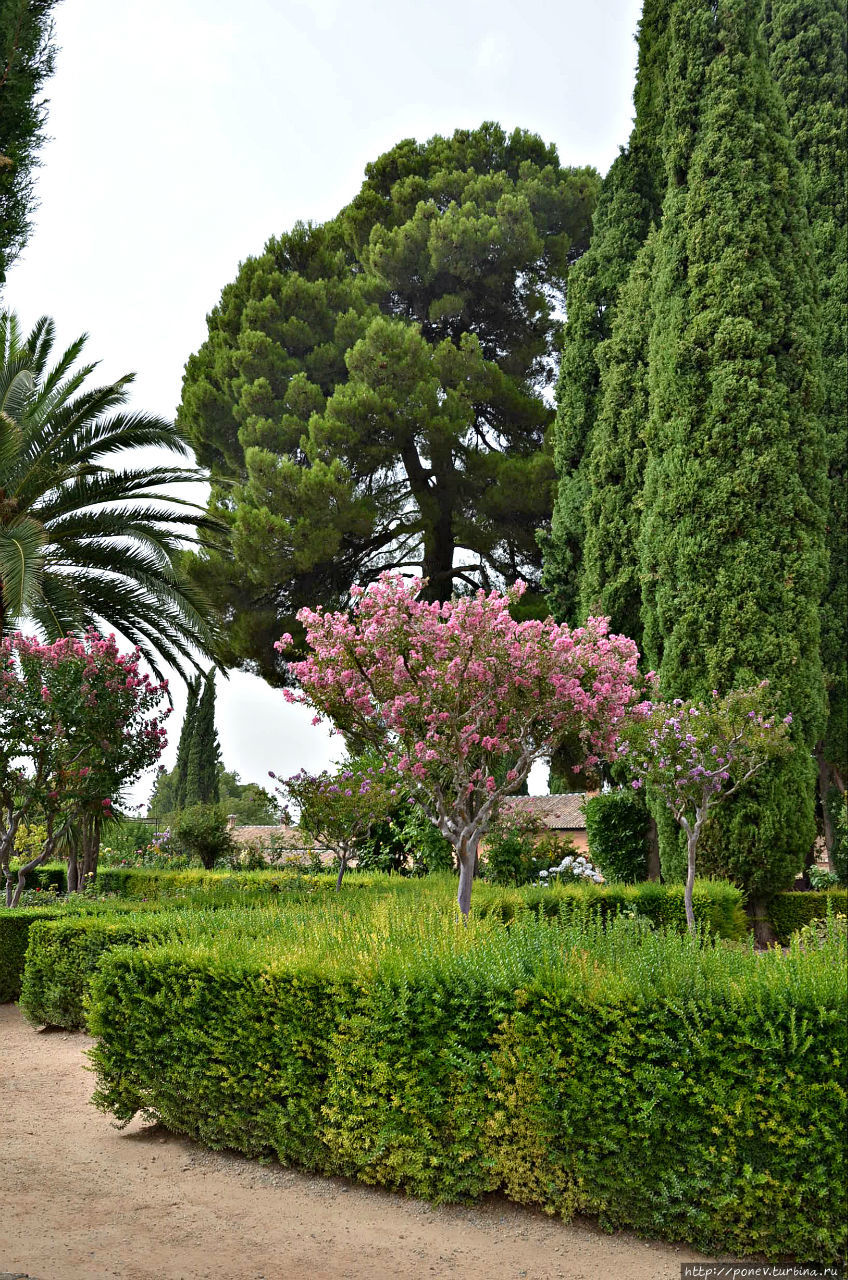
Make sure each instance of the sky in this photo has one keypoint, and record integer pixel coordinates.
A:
(184, 133)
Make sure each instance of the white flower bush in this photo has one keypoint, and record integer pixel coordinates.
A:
(573, 867)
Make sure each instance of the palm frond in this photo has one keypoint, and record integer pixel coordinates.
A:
(21, 562)
(83, 542)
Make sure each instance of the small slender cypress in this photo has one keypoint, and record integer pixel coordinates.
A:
(205, 753)
(184, 745)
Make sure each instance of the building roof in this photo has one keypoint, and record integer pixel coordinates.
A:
(558, 813)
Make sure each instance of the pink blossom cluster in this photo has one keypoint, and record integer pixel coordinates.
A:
(77, 721)
(457, 690)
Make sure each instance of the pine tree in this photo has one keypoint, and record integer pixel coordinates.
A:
(204, 758)
(732, 535)
(808, 44)
(184, 745)
(630, 202)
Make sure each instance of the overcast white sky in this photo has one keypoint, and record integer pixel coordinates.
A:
(185, 132)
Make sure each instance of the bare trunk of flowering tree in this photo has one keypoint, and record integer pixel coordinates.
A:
(343, 856)
(466, 856)
(693, 834)
(653, 839)
(13, 897)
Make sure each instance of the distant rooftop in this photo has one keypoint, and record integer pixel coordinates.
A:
(559, 813)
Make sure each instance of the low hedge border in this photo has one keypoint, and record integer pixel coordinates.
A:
(63, 954)
(15, 928)
(790, 911)
(147, 883)
(14, 936)
(716, 903)
(645, 1078)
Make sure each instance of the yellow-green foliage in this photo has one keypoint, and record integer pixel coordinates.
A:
(29, 841)
(687, 1089)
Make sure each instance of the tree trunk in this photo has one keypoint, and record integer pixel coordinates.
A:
(764, 934)
(826, 783)
(654, 869)
(691, 847)
(342, 866)
(73, 871)
(466, 880)
(24, 871)
(91, 849)
(466, 856)
(439, 547)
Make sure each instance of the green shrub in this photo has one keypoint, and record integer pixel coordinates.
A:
(790, 911)
(715, 902)
(14, 935)
(648, 1078)
(63, 954)
(837, 802)
(617, 829)
(50, 875)
(203, 831)
(511, 855)
(148, 883)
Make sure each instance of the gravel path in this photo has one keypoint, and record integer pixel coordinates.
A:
(84, 1201)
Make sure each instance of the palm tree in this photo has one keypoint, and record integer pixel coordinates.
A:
(87, 537)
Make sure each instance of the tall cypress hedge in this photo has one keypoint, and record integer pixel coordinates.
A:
(808, 53)
(610, 581)
(630, 202)
(732, 539)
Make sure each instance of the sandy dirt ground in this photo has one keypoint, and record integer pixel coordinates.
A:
(85, 1201)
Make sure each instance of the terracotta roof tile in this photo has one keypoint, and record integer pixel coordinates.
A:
(559, 813)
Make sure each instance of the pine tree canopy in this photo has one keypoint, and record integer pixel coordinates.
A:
(372, 392)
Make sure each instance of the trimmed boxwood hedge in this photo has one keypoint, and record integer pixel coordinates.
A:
(693, 1092)
(789, 912)
(147, 883)
(14, 936)
(15, 927)
(63, 954)
(715, 902)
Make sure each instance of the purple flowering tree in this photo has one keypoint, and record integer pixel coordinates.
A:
(341, 809)
(697, 754)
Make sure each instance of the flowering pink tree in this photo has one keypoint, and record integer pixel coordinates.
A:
(341, 809)
(697, 754)
(77, 722)
(462, 698)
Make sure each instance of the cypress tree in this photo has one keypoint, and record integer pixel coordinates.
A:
(609, 579)
(808, 53)
(732, 537)
(629, 203)
(184, 745)
(204, 758)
